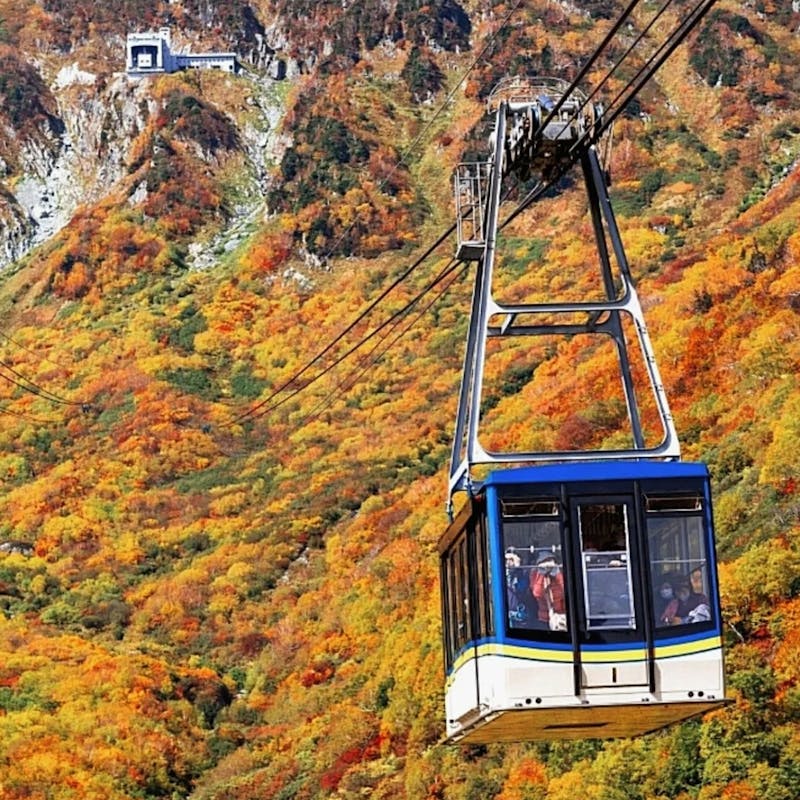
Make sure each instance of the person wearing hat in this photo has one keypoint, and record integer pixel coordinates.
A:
(547, 588)
(686, 607)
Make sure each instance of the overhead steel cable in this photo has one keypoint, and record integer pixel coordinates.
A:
(27, 349)
(33, 388)
(594, 133)
(353, 348)
(27, 417)
(609, 73)
(652, 65)
(646, 71)
(253, 412)
(531, 198)
(29, 385)
(369, 360)
(616, 107)
(259, 409)
(632, 87)
(584, 70)
(286, 384)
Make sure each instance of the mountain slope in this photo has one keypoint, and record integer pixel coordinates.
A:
(211, 590)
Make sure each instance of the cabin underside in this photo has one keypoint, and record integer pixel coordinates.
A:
(580, 722)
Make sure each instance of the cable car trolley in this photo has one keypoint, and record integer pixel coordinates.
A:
(579, 587)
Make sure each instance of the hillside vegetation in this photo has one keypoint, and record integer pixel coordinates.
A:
(220, 583)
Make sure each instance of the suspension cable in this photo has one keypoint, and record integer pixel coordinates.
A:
(616, 107)
(370, 359)
(30, 386)
(339, 359)
(653, 64)
(592, 135)
(610, 72)
(598, 51)
(350, 327)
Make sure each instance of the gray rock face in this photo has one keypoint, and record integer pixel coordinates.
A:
(77, 164)
(87, 152)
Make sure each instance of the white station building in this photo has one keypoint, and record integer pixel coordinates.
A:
(149, 53)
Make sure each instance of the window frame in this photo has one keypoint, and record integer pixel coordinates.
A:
(543, 507)
(623, 556)
(704, 560)
(465, 574)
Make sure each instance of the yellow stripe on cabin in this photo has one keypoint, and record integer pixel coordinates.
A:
(587, 656)
(529, 653)
(689, 648)
(613, 656)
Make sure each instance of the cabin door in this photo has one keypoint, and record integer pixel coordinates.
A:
(609, 599)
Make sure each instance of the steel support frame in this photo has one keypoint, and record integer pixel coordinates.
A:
(602, 317)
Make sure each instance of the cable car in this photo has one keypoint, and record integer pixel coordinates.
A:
(580, 600)
(579, 587)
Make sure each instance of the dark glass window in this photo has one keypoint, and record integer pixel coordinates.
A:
(483, 571)
(677, 544)
(465, 588)
(461, 605)
(534, 565)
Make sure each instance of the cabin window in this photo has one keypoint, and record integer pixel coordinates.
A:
(465, 589)
(461, 594)
(606, 566)
(534, 565)
(679, 562)
(483, 604)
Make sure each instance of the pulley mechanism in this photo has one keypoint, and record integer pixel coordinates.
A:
(544, 130)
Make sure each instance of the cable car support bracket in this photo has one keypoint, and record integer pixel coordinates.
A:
(539, 132)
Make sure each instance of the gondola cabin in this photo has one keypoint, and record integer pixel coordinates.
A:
(580, 600)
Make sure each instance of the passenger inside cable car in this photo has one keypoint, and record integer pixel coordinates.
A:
(536, 593)
(547, 588)
(520, 602)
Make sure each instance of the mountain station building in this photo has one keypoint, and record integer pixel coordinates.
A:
(150, 53)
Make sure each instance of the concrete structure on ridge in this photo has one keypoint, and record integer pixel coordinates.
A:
(150, 53)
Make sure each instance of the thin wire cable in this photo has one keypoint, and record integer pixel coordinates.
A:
(253, 412)
(610, 72)
(322, 353)
(27, 417)
(598, 51)
(354, 347)
(631, 88)
(403, 314)
(653, 64)
(644, 74)
(33, 388)
(367, 362)
(258, 411)
(461, 80)
(27, 349)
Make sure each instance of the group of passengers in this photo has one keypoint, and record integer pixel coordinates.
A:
(682, 602)
(536, 597)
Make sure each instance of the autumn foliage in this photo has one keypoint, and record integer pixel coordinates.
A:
(218, 571)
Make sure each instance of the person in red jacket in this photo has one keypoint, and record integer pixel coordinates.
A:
(547, 587)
